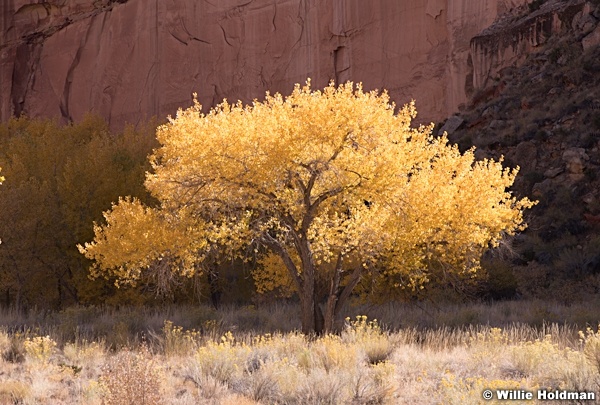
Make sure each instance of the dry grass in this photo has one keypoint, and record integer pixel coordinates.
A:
(366, 363)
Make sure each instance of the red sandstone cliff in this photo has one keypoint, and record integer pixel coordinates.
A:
(131, 59)
(510, 39)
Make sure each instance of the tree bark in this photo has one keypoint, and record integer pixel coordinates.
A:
(330, 314)
(305, 281)
(319, 319)
(338, 296)
(308, 302)
(331, 304)
(307, 308)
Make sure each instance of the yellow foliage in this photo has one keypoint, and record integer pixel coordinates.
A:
(222, 360)
(139, 236)
(82, 351)
(490, 337)
(591, 346)
(272, 275)
(530, 357)
(39, 348)
(178, 342)
(330, 353)
(333, 182)
(369, 337)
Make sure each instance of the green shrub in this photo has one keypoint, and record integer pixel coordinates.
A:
(501, 280)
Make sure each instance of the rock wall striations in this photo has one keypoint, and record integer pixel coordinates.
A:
(128, 60)
(510, 39)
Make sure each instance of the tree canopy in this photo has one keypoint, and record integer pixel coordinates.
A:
(325, 188)
(61, 178)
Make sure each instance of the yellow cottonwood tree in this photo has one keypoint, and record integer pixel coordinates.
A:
(333, 184)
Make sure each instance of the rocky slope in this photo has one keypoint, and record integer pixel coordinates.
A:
(131, 59)
(542, 112)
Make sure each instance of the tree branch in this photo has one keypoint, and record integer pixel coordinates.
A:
(354, 279)
(276, 247)
(337, 275)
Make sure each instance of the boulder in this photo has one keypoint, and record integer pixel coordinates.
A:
(552, 173)
(525, 155)
(496, 125)
(584, 21)
(589, 198)
(451, 125)
(575, 159)
(592, 39)
(541, 189)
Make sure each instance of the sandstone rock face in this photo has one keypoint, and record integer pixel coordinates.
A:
(128, 60)
(509, 40)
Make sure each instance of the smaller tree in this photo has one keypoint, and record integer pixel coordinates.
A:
(332, 184)
(61, 178)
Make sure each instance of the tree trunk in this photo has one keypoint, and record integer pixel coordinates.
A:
(313, 321)
(307, 309)
(319, 319)
(305, 282)
(338, 296)
(213, 285)
(308, 303)
(18, 299)
(330, 314)
(331, 305)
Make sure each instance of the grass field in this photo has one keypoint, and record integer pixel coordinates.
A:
(197, 355)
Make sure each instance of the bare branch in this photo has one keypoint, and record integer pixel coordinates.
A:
(354, 279)
(278, 249)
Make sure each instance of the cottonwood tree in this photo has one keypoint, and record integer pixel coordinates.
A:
(333, 185)
(61, 179)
